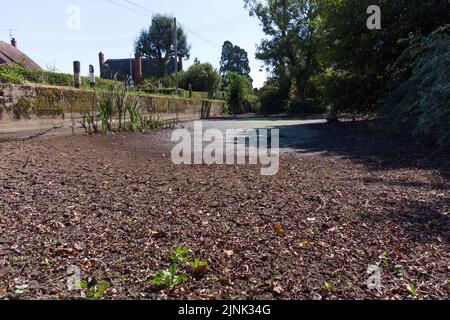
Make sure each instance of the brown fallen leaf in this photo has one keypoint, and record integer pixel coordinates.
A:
(229, 253)
(64, 251)
(78, 246)
(158, 234)
(278, 289)
(279, 230)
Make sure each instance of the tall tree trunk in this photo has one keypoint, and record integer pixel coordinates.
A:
(300, 84)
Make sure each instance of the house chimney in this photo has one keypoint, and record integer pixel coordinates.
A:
(101, 59)
(180, 63)
(137, 68)
(14, 42)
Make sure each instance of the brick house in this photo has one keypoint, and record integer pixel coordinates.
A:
(136, 68)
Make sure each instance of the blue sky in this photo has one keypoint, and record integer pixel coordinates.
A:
(42, 30)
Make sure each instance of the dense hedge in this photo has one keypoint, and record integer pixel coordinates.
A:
(220, 95)
(21, 75)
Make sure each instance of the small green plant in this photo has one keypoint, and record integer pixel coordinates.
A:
(170, 278)
(328, 286)
(412, 289)
(89, 123)
(181, 255)
(198, 267)
(132, 109)
(105, 110)
(46, 262)
(399, 269)
(96, 289)
(384, 259)
(21, 289)
(174, 276)
(198, 263)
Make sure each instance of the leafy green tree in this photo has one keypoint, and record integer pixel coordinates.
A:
(358, 63)
(234, 59)
(289, 48)
(202, 77)
(158, 42)
(422, 99)
(238, 91)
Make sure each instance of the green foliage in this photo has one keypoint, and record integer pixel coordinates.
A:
(96, 289)
(198, 263)
(157, 42)
(180, 255)
(174, 276)
(322, 50)
(149, 84)
(238, 93)
(422, 98)
(412, 289)
(139, 121)
(10, 75)
(105, 111)
(328, 286)
(234, 59)
(118, 109)
(21, 75)
(271, 99)
(170, 278)
(288, 50)
(168, 81)
(357, 62)
(202, 77)
(46, 262)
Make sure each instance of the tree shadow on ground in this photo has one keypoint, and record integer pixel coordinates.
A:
(377, 144)
(383, 146)
(424, 221)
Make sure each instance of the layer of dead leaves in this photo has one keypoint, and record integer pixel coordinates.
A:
(115, 207)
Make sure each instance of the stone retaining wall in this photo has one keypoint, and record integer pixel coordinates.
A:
(26, 108)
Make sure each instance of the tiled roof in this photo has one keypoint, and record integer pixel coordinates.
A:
(12, 55)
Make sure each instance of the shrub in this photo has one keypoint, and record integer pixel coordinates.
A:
(202, 77)
(8, 75)
(271, 100)
(149, 84)
(168, 81)
(238, 93)
(19, 75)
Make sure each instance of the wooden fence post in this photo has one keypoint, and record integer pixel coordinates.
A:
(77, 74)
